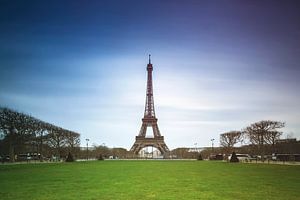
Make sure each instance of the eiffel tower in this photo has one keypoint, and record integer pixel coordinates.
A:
(149, 120)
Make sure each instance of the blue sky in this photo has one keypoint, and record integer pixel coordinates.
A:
(218, 66)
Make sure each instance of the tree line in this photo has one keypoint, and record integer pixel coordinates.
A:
(258, 134)
(23, 133)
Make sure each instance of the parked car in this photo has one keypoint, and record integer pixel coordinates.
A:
(242, 157)
(216, 157)
(4, 158)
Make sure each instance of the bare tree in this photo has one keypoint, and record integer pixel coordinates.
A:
(16, 128)
(20, 129)
(229, 139)
(101, 150)
(263, 132)
(56, 139)
(119, 152)
(72, 140)
(272, 136)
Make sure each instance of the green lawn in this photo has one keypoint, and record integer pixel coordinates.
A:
(149, 180)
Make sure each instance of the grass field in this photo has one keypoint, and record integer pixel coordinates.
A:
(149, 180)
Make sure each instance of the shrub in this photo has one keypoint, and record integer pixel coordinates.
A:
(70, 158)
(234, 158)
(199, 157)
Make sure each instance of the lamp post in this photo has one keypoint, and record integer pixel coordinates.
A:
(195, 146)
(87, 148)
(212, 144)
(195, 150)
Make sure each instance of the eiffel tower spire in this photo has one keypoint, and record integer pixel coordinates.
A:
(149, 120)
(149, 105)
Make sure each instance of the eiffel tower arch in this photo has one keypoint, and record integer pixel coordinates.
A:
(149, 120)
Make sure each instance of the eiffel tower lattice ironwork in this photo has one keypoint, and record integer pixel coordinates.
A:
(149, 120)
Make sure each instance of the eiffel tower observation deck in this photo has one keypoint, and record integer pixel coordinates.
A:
(149, 120)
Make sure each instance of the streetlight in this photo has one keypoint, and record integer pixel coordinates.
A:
(195, 150)
(212, 144)
(87, 148)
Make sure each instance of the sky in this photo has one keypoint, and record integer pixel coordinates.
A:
(218, 66)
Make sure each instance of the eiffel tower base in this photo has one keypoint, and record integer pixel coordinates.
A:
(156, 141)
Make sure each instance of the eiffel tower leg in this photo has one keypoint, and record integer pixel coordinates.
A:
(155, 130)
(143, 130)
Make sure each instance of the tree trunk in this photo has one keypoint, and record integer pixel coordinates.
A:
(11, 150)
(41, 148)
(262, 148)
